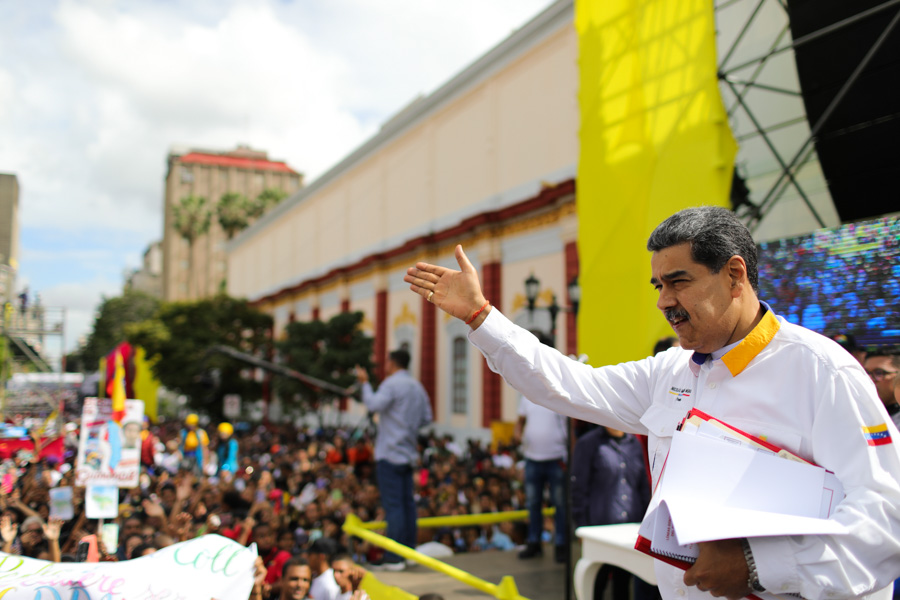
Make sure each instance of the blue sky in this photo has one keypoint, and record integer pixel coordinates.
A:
(94, 93)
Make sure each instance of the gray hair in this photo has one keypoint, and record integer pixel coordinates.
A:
(715, 235)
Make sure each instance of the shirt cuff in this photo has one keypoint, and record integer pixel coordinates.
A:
(776, 563)
(492, 332)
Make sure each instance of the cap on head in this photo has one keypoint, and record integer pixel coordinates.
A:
(191, 419)
(846, 340)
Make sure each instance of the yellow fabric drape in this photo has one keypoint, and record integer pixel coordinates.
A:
(146, 386)
(654, 139)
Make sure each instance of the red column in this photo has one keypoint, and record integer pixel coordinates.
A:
(315, 313)
(428, 355)
(345, 307)
(491, 383)
(571, 323)
(380, 332)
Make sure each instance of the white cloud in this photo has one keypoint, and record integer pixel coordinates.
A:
(94, 93)
(80, 301)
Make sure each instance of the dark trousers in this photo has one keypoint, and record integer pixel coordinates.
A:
(539, 474)
(621, 584)
(395, 484)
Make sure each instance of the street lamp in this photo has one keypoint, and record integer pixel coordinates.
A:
(532, 287)
(574, 294)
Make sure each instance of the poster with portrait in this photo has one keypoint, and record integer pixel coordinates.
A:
(109, 453)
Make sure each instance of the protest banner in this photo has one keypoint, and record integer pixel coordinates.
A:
(209, 566)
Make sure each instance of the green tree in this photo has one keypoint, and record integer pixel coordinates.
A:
(180, 336)
(233, 213)
(268, 198)
(113, 315)
(327, 351)
(192, 219)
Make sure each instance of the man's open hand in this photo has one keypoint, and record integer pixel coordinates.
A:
(457, 293)
(721, 569)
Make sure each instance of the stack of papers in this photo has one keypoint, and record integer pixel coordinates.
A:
(721, 483)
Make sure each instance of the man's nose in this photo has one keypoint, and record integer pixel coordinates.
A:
(666, 299)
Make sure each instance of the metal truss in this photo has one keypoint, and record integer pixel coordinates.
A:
(756, 65)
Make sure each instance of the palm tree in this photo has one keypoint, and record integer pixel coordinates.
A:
(192, 219)
(268, 198)
(233, 213)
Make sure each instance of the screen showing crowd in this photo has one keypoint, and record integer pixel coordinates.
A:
(840, 280)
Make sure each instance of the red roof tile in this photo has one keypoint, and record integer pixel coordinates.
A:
(199, 158)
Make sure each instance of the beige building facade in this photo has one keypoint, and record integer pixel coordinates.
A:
(148, 278)
(200, 272)
(9, 235)
(478, 163)
(489, 161)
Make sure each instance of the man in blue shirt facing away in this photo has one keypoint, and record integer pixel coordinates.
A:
(403, 407)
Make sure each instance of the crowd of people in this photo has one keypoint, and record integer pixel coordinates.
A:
(289, 490)
(286, 490)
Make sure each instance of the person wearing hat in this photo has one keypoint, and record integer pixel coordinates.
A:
(848, 343)
(194, 445)
(226, 450)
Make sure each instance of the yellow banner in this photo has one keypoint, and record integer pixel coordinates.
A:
(146, 386)
(654, 139)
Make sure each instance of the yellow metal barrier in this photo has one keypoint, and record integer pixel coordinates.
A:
(463, 520)
(505, 591)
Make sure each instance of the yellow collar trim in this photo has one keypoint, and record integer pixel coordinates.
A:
(737, 359)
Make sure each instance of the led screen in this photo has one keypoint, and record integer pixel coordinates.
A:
(841, 280)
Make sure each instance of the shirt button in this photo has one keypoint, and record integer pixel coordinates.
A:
(621, 465)
(623, 480)
(785, 587)
(624, 514)
(711, 386)
(624, 496)
(680, 591)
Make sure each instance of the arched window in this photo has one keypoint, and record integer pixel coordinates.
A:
(460, 375)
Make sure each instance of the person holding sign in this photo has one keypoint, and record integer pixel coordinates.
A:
(741, 363)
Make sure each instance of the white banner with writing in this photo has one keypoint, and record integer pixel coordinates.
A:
(207, 567)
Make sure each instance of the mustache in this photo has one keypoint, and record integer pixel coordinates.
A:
(676, 313)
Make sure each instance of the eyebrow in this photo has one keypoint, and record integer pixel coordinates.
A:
(668, 276)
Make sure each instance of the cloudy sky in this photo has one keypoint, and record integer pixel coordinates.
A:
(94, 93)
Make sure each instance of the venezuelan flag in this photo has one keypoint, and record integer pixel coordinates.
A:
(877, 435)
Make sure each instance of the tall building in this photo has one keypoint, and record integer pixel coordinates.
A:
(190, 273)
(148, 278)
(9, 235)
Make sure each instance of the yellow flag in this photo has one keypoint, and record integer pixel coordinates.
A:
(654, 139)
(118, 391)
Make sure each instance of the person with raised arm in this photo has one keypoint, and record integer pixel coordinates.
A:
(744, 365)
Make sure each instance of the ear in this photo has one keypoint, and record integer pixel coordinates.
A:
(736, 269)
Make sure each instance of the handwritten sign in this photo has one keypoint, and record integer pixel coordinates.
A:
(210, 566)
